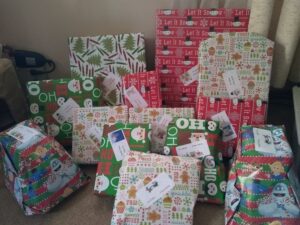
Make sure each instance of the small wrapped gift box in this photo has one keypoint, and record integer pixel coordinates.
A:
(51, 103)
(156, 189)
(37, 169)
(117, 140)
(144, 86)
(200, 139)
(88, 128)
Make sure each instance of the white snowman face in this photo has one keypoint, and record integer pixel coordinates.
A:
(101, 183)
(212, 100)
(34, 108)
(209, 162)
(280, 192)
(167, 12)
(74, 86)
(166, 150)
(34, 89)
(38, 120)
(165, 52)
(187, 62)
(53, 130)
(166, 32)
(258, 103)
(88, 103)
(138, 134)
(189, 23)
(188, 43)
(60, 101)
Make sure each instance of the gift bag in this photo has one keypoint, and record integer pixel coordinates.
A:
(178, 35)
(117, 140)
(37, 169)
(51, 103)
(88, 128)
(156, 189)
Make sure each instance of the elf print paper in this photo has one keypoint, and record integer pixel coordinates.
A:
(148, 86)
(200, 139)
(127, 137)
(178, 35)
(88, 126)
(140, 175)
(37, 169)
(109, 57)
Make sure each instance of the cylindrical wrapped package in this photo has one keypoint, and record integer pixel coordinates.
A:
(286, 39)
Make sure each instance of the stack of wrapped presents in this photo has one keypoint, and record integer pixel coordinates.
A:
(159, 138)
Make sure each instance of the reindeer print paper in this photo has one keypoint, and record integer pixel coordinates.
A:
(141, 171)
(109, 57)
(51, 103)
(178, 35)
(88, 128)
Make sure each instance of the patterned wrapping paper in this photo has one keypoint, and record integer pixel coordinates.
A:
(178, 34)
(88, 127)
(38, 171)
(150, 115)
(212, 177)
(46, 97)
(147, 84)
(175, 207)
(107, 176)
(109, 57)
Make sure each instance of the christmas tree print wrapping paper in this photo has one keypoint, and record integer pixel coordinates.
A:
(184, 132)
(88, 128)
(107, 176)
(175, 207)
(148, 86)
(178, 35)
(245, 58)
(109, 57)
(37, 169)
(47, 96)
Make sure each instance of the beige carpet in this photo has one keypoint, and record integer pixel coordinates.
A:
(85, 208)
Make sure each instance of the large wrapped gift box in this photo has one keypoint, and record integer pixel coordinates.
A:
(37, 169)
(178, 34)
(110, 158)
(51, 103)
(109, 57)
(88, 128)
(142, 90)
(174, 182)
(200, 139)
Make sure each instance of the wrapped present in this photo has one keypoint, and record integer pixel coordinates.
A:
(117, 140)
(156, 189)
(51, 103)
(37, 169)
(178, 34)
(88, 128)
(150, 115)
(200, 139)
(142, 90)
(109, 57)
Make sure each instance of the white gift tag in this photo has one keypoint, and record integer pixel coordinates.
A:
(135, 98)
(263, 141)
(225, 126)
(119, 144)
(64, 113)
(190, 76)
(155, 189)
(165, 120)
(95, 134)
(233, 84)
(110, 82)
(195, 149)
(23, 133)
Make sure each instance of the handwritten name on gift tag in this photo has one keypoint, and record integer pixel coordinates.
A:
(119, 144)
(155, 189)
(23, 133)
(195, 149)
(225, 125)
(233, 84)
(64, 113)
(263, 141)
(135, 98)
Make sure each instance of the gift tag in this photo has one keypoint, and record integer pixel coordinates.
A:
(155, 189)
(263, 141)
(119, 144)
(23, 133)
(95, 134)
(135, 98)
(195, 149)
(225, 125)
(165, 120)
(233, 84)
(64, 113)
(190, 76)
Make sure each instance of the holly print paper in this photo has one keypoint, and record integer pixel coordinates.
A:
(47, 97)
(37, 169)
(140, 171)
(148, 86)
(109, 57)
(107, 176)
(150, 115)
(178, 35)
(180, 137)
(88, 128)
